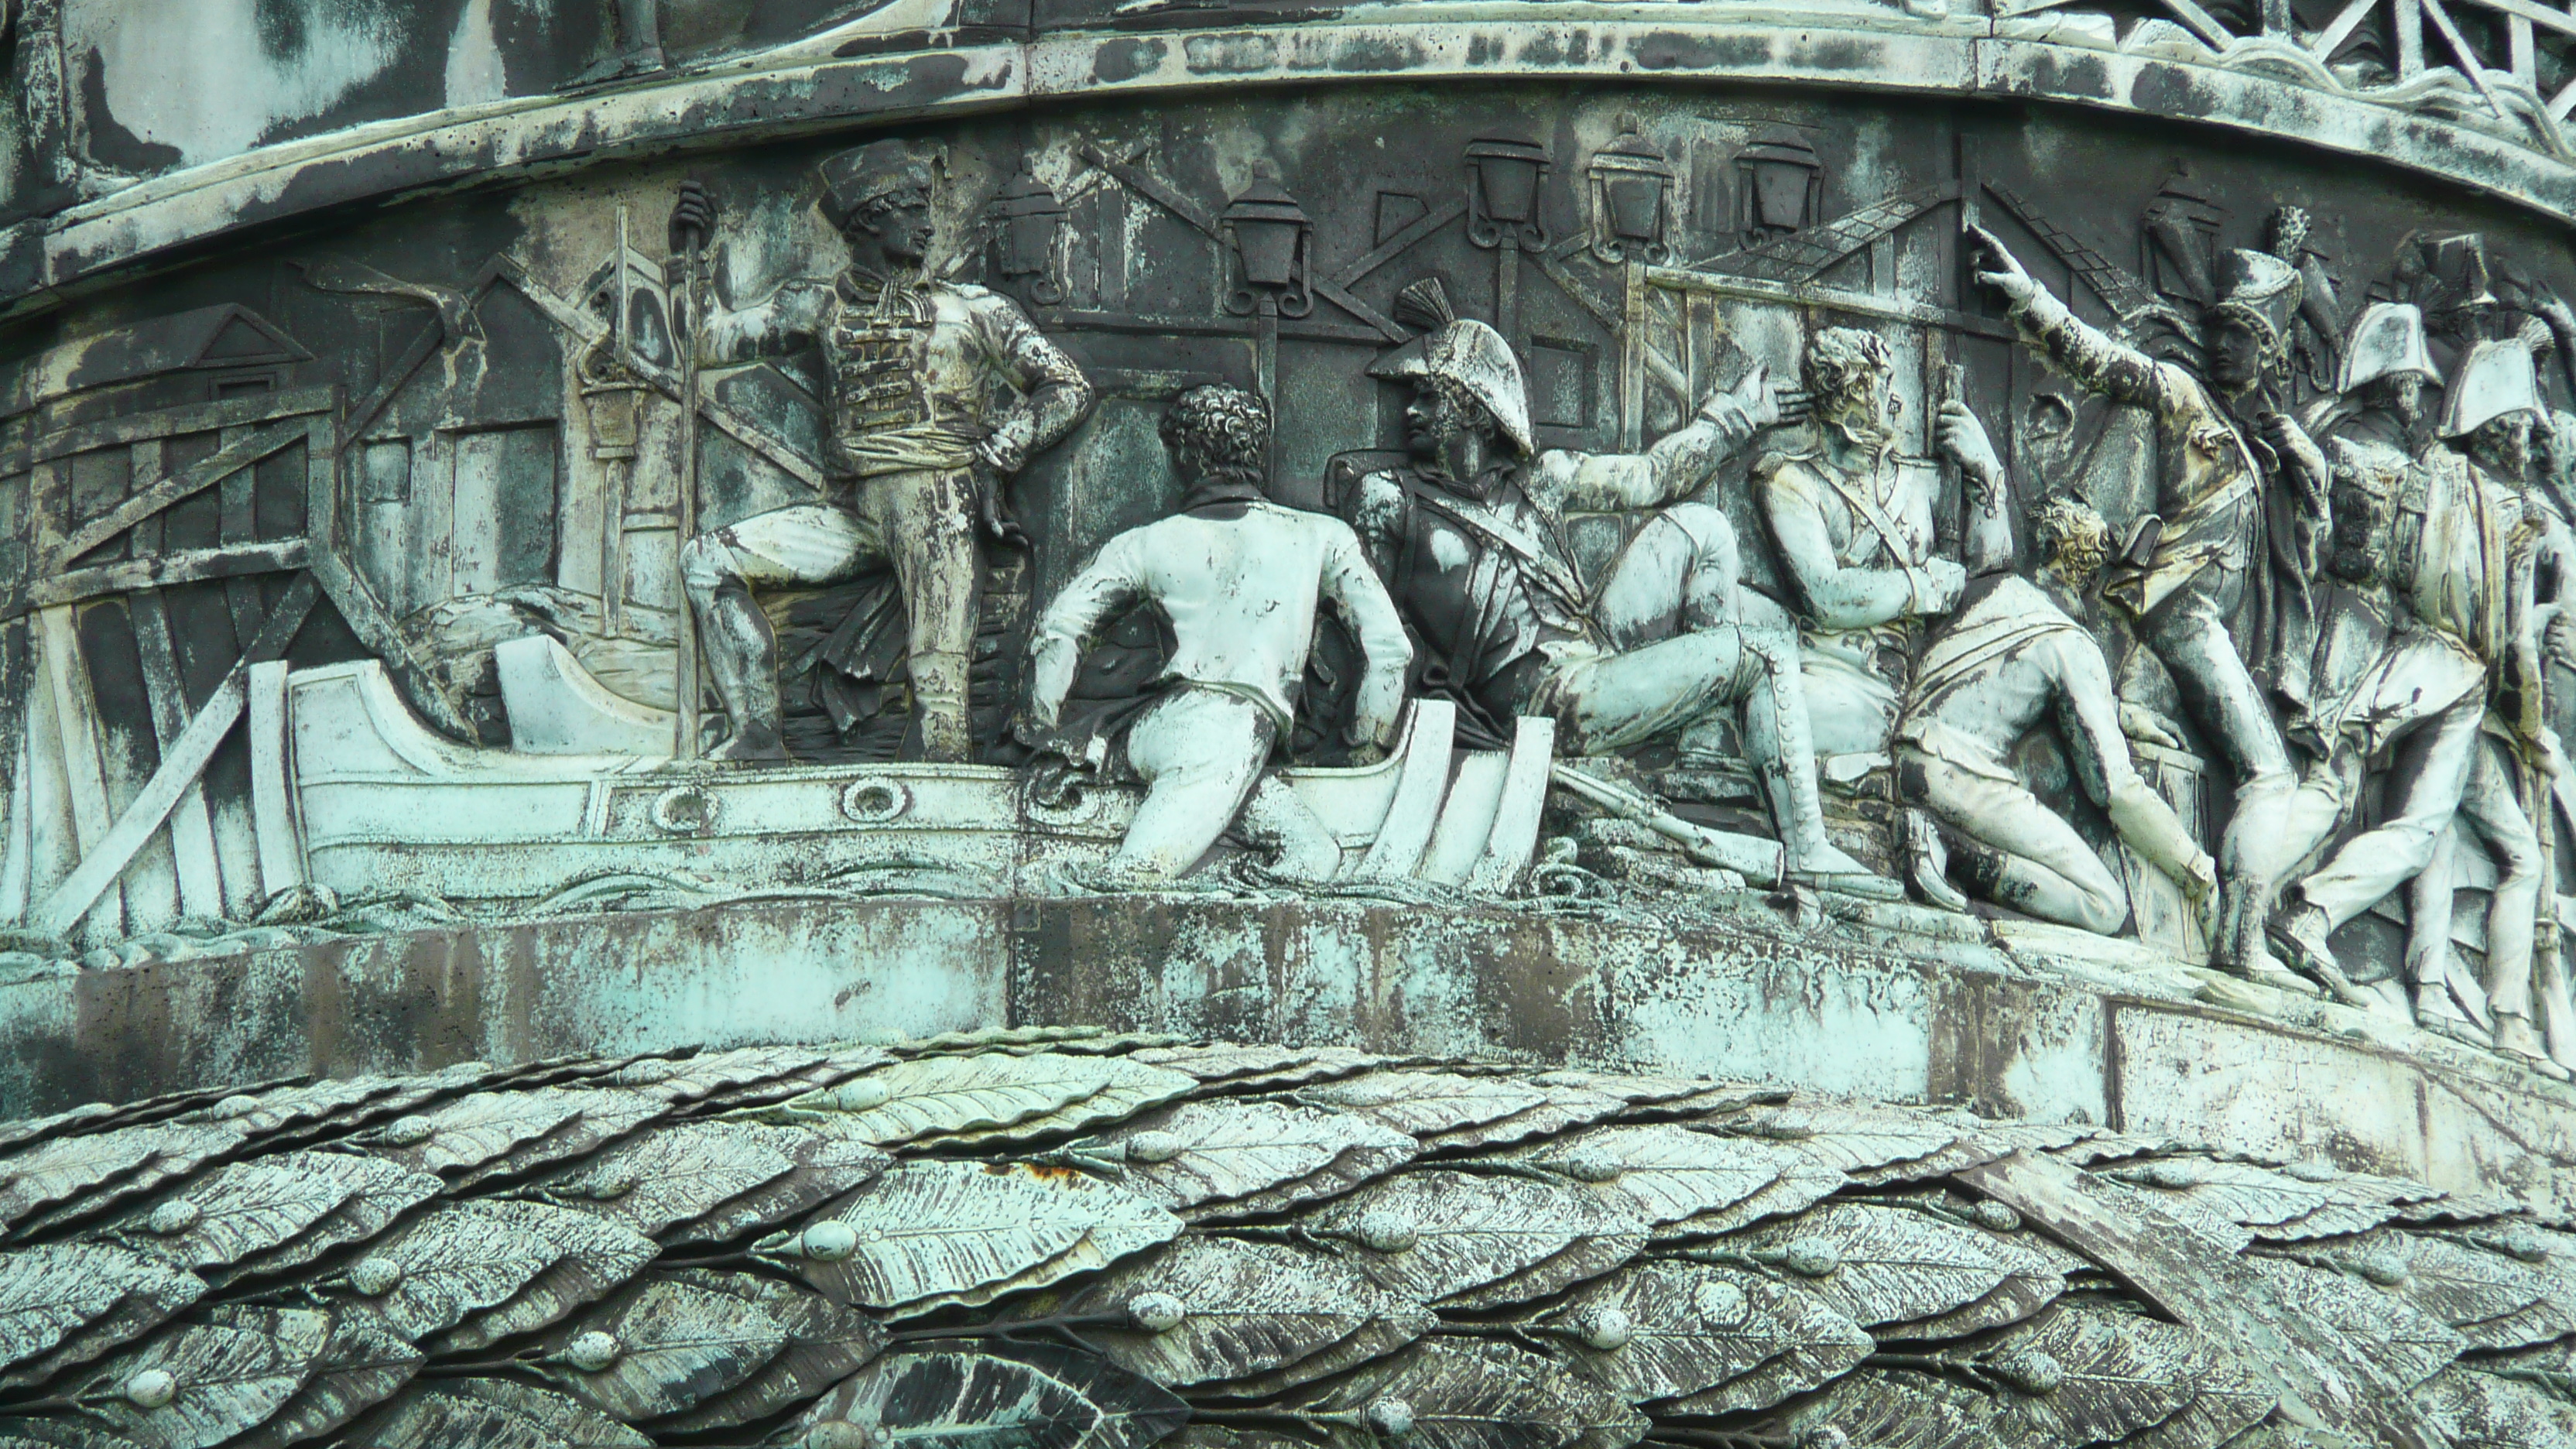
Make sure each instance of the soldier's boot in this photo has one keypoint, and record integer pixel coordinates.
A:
(939, 703)
(1789, 775)
(742, 663)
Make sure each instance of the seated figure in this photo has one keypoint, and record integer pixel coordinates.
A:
(2014, 655)
(1238, 579)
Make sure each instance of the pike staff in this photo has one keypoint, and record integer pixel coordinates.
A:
(693, 243)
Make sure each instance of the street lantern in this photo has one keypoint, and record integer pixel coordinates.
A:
(1270, 234)
(1782, 185)
(1026, 221)
(1503, 178)
(1631, 185)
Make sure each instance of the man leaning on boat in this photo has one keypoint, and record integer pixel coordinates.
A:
(1238, 578)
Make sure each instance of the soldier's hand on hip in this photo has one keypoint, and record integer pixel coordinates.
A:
(692, 216)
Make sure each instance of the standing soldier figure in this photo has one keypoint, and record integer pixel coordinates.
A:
(2238, 507)
(939, 392)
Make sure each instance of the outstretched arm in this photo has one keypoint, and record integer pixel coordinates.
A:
(2082, 351)
(1113, 579)
(2089, 714)
(1353, 589)
(1674, 467)
(1054, 395)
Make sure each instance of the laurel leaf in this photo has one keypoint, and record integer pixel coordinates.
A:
(2485, 1295)
(359, 1366)
(472, 1130)
(2406, 1344)
(1657, 1330)
(1892, 1264)
(827, 1165)
(457, 1258)
(603, 1115)
(1224, 1149)
(1792, 1339)
(1846, 1138)
(927, 1229)
(61, 1181)
(673, 1174)
(1228, 1061)
(2481, 1411)
(671, 1345)
(824, 1343)
(1040, 1397)
(1803, 1182)
(2122, 1373)
(1565, 1106)
(1471, 1395)
(1891, 1409)
(497, 1414)
(2034, 1277)
(595, 1255)
(940, 1094)
(2233, 1398)
(49, 1294)
(230, 1376)
(1249, 1309)
(707, 1073)
(243, 1208)
(1130, 1087)
(1471, 1230)
(1424, 1103)
(1672, 1173)
(379, 1193)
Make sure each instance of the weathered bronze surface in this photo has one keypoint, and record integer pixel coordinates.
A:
(2010, 553)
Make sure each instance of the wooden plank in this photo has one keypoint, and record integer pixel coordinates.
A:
(218, 467)
(376, 629)
(192, 830)
(2530, 13)
(272, 797)
(238, 524)
(17, 846)
(2520, 50)
(76, 735)
(1514, 838)
(2406, 17)
(1424, 781)
(187, 567)
(102, 862)
(2474, 66)
(2326, 42)
(2199, 22)
(171, 422)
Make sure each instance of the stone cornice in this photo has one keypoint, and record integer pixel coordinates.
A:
(807, 88)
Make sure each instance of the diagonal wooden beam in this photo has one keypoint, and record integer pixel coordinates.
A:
(187, 482)
(2474, 66)
(181, 764)
(2326, 42)
(2201, 23)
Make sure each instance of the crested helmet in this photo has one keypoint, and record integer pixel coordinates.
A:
(1476, 358)
(2260, 290)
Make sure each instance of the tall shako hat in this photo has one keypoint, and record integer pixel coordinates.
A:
(2260, 290)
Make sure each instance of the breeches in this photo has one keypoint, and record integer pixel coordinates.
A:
(921, 524)
(2435, 762)
(1609, 702)
(2049, 871)
(1199, 751)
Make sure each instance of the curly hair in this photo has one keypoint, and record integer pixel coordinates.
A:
(2071, 535)
(1218, 432)
(1839, 355)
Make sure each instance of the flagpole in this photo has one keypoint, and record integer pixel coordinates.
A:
(685, 745)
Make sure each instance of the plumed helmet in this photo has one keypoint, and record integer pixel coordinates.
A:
(2386, 340)
(2497, 378)
(2260, 290)
(1476, 358)
(853, 178)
